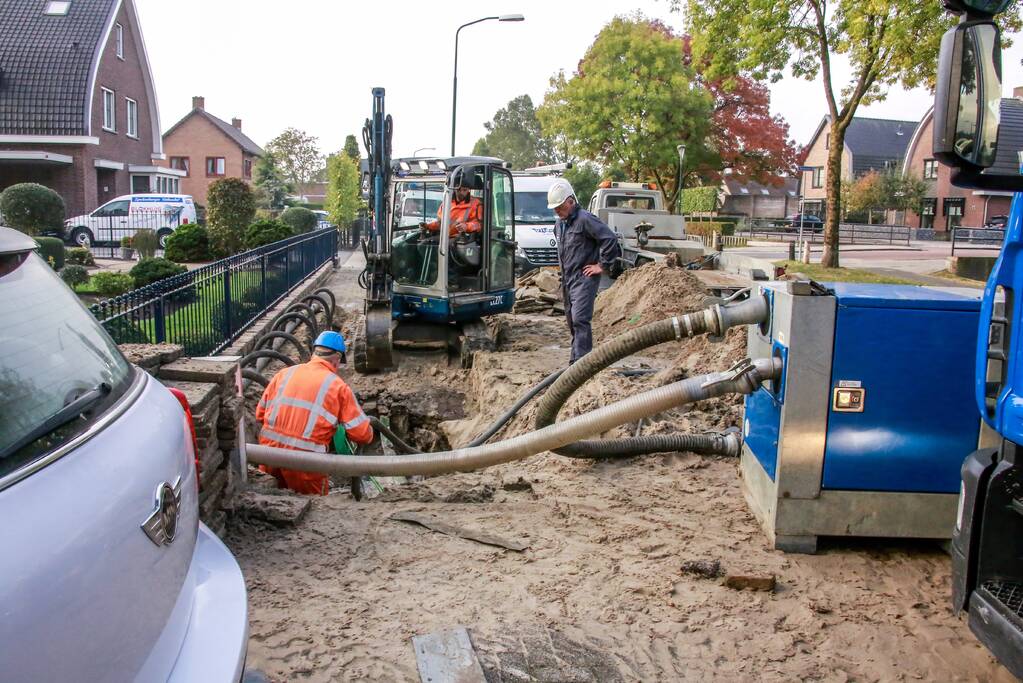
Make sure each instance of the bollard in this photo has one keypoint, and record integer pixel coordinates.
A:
(792, 251)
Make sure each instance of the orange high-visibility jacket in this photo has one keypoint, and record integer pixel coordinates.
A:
(301, 409)
(469, 213)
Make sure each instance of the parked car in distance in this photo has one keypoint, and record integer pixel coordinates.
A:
(108, 573)
(997, 222)
(535, 243)
(323, 219)
(127, 214)
(809, 221)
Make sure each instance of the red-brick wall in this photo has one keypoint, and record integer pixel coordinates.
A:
(125, 78)
(198, 138)
(978, 207)
(65, 180)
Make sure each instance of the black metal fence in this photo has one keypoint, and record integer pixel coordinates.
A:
(207, 308)
(848, 233)
(977, 239)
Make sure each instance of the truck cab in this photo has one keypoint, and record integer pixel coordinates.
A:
(537, 243)
(636, 211)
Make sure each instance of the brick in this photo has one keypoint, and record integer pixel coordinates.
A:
(279, 509)
(209, 468)
(221, 373)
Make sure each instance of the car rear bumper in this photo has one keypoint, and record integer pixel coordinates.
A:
(216, 639)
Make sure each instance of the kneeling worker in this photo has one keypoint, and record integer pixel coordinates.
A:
(302, 408)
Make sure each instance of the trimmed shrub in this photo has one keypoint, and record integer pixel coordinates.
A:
(32, 208)
(230, 208)
(52, 251)
(146, 242)
(188, 244)
(300, 219)
(74, 275)
(266, 232)
(124, 331)
(109, 284)
(150, 270)
(79, 256)
(708, 228)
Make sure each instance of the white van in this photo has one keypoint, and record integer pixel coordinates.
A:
(534, 222)
(123, 216)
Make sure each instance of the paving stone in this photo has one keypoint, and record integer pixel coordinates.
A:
(217, 372)
(754, 583)
(210, 468)
(198, 394)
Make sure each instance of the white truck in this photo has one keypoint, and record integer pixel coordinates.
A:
(636, 212)
(534, 222)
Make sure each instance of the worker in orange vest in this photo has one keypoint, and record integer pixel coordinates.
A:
(302, 408)
(466, 212)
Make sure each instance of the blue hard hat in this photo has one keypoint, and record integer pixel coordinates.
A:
(331, 340)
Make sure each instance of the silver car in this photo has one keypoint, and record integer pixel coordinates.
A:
(107, 573)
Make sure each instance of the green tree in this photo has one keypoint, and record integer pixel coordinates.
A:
(584, 178)
(300, 219)
(888, 191)
(269, 178)
(631, 101)
(31, 208)
(298, 155)
(344, 194)
(886, 43)
(515, 136)
(352, 148)
(230, 207)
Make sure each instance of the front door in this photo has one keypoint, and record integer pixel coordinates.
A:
(106, 185)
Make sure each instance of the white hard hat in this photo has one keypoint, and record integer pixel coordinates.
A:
(559, 192)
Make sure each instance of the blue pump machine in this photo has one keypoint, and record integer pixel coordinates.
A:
(865, 433)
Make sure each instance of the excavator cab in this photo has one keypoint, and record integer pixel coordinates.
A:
(440, 277)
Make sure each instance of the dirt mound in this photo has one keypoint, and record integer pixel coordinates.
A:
(643, 295)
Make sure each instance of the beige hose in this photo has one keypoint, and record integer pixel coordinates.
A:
(742, 378)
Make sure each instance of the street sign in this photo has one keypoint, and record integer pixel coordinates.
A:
(806, 168)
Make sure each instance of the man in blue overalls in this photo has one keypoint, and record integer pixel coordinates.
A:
(587, 248)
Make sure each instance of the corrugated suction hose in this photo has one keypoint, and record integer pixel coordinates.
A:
(741, 378)
(715, 320)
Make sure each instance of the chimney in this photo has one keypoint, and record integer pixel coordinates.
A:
(237, 123)
(1017, 92)
(198, 103)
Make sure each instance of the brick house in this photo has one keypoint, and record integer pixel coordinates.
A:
(870, 145)
(947, 206)
(759, 201)
(78, 110)
(206, 148)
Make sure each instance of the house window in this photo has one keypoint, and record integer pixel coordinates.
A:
(953, 210)
(108, 111)
(215, 166)
(57, 8)
(133, 117)
(180, 163)
(818, 177)
(119, 37)
(247, 168)
(928, 207)
(930, 169)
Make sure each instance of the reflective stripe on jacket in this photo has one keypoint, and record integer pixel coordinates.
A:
(303, 405)
(469, 213)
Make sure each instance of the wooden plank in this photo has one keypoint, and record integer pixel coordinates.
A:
(459, 532)
(447, 657)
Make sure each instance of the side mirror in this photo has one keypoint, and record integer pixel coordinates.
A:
(967, 100)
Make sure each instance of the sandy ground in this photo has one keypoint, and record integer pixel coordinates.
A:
(600, 593)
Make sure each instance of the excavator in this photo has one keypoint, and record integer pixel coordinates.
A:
(429, 289)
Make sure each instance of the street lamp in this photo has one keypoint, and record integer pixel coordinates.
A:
(422, 149)
(454, 84)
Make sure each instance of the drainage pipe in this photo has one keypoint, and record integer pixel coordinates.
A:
(742, 378)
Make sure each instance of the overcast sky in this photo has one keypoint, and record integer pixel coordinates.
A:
(311, 64)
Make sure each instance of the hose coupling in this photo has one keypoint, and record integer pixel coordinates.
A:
(753, 310)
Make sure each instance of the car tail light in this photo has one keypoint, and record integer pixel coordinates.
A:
(184, 221)
(180, 395)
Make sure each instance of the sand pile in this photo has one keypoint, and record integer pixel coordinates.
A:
(643, 295)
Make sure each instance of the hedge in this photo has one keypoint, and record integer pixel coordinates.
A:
(79, 256)
(300, 219)
(52, 251)
(188, 244)
(150, 270)
(709, 227)
(265, 232)
(109, 284)
(32, 208)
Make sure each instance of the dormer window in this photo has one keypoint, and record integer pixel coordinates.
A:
(57, 9)
(119, 37)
